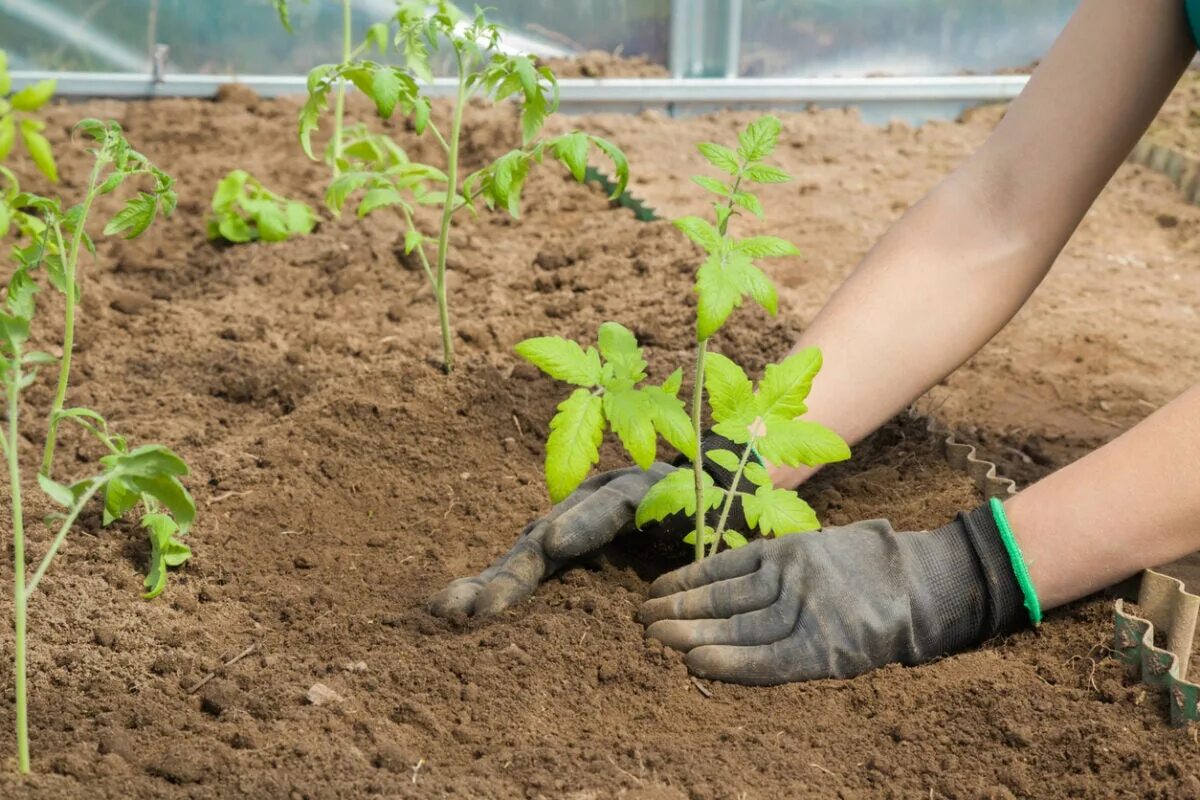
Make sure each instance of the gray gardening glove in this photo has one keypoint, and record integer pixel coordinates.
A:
(838, 603)
(600, 510)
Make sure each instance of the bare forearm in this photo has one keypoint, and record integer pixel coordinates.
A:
(961, 262)
(1132, 504)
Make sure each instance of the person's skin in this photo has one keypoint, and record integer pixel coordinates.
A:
(960, 263)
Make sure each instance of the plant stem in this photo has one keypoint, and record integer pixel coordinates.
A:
(698, 409)
(61, 536)
(339, 108)
(447, 212)
(18, 534)
(730, 494)
(70, 268)
(698, 466)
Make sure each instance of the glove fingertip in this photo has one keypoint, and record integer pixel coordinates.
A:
(500, 596)
(457, 598)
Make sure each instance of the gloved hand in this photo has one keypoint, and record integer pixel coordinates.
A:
(602, 508)
(838, 603)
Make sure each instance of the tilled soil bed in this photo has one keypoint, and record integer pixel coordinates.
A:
(342, 479)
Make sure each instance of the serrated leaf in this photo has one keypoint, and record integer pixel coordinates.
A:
(733, 540)
(726, 459)
(765, 247)
(379, 198)
(712, 184)
(573, 445)
(756, 473)
(676, 493)
(750, 203)
(710, 536)
(412, 238)
(776, 512)
(786, 385)
(765, 173)
(33, 96)
(620, 164)
(39, 148)
(562, 359)
(385, 91)
(571, 149)
(377, 35)
(700, 231)
(759, 139)
(629, 413)
(752, 281)
(718, 294)
(730, 392)
(56, 491)
(619, 347)
(719, 156)
(671, 420)
(133, 220)
(795, 442)
(673, 382)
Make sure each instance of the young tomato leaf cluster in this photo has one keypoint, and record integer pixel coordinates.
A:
(149, 475)
(244, 210)
(609, 395)
(763, 422)
(382, 171)
(17, 120)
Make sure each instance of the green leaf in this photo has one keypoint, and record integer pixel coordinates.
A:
(712, 184)
(5, 78)
(776, 512)
(764, 173)
(119, 498)
(377, 35)
(749, 202)
(573, 445)
(756, 473)
(8, 135)
(719, 293)
(228, 190)
(33, 96)
(675, 493)
(700, 231)
(730, 393)
(285, 17)
(752, 281)
(629, 413)
(796, 441)
(571, 149)
(720, 157)
(727, 459)
(673, 382)
(562, 359)
(147, 461)
(165, 551)
(39, 148)
(620, 164)
(379, 198)
(135, 217)
(733, 540)
(784, 386)
(167, 490)
(620, 349)
(385, 91)
(766, 246)
(56, 491)
(759, 139)
(234, 229)
(710, 535)
(300, 217)
(412, 238)
(671, 419)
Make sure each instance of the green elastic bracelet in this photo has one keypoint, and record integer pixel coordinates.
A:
(1018, 562)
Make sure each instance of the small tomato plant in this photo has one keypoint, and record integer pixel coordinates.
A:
(244, 210)
(393, 181)
(763, 422)
(58, 237)
(149, 474)
(16, 117)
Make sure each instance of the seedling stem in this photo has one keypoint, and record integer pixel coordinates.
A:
(13, 387)
(448, 209)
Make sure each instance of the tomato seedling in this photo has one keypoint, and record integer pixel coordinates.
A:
(763, 421)
(59, 236)
(244, 210)
(16, 110)
(385, 175)
(149, 474)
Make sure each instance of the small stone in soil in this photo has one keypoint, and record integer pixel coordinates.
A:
(320, 695)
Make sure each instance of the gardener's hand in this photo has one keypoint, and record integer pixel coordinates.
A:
(837, 603)
(593, 515)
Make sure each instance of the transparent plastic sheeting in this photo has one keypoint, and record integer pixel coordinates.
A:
(778, 38)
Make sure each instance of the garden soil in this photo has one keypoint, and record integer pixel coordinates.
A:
(342, 479)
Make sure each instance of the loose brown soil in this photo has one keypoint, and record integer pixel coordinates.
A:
(342, 479)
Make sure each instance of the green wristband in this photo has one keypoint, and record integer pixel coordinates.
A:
(1018, 562)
